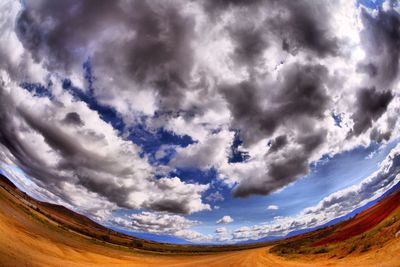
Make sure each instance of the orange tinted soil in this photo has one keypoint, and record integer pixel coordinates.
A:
(364, 220)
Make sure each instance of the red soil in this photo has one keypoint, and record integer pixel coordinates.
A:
(364, 220)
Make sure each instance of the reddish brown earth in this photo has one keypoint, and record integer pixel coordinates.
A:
(30, 236)
(365, 220)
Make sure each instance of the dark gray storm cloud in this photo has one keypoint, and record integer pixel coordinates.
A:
(283, 171)
(158, 54)
(27, 159)
(73, 118)
(215, 7)
(278, 143)
(299, 25)
(370, 106)
(59, 32)
(368, 68)
(379, 135)
(306, 27)
(260, 109)
(243, 100)
(301, 97)
(381, 40)
(249, 42)
(161, 52)
(295, 25)
(301, 94)
(82, 167)
(75, 158)
(135, 46)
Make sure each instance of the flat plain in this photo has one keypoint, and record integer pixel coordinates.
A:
(29, 236)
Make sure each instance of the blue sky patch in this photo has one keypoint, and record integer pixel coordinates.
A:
(190, 174)
(337, 118)
(374, 4)
(237, 155)
(151, 141)
(38, 89)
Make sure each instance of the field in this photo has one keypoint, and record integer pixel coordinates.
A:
(33, 233)
(369, 230)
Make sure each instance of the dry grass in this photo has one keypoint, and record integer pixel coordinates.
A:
(379, 225)
(29, 237)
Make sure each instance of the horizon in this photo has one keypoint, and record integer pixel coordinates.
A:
(202, 122)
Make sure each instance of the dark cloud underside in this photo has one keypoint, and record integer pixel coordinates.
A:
(156, 47)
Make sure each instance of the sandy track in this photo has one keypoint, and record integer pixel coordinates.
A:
(26, 242)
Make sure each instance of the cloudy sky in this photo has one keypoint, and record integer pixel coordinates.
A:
(201, 121)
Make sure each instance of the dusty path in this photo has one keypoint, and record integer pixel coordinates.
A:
(26, 242)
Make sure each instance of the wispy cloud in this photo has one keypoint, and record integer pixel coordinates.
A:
(272, 207)
(225, 220)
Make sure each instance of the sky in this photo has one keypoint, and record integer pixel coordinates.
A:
(213, 121)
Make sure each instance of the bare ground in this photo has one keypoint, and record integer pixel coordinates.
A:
(26, 239)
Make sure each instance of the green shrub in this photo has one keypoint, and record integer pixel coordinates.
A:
(105, 238)
(136, 244)
(321, 250)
